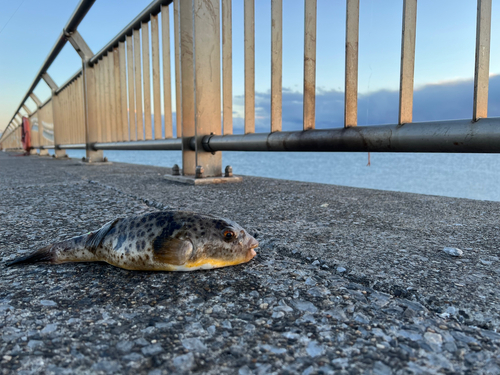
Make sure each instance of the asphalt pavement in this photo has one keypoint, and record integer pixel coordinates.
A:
(346, 280)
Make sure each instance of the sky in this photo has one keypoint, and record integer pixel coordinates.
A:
(444, 63)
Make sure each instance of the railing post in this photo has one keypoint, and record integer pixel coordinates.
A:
(89, 97)
(40, 125)
(55, 113)
(207, 82)
(187, 86)
(32, 151)
(200, 70)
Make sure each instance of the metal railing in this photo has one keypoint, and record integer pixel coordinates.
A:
(115, 102)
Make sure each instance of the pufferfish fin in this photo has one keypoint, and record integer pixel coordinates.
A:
(173, 251)
(95, 238)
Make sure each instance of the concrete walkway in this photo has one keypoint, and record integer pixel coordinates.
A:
(346, 280)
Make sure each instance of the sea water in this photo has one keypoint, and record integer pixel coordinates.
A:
(473, 176)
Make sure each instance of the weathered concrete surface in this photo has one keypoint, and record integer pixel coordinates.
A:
(346, 281)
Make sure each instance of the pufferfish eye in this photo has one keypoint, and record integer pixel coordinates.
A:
(228, 234)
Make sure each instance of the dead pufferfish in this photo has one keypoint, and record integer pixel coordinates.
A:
(159, 241)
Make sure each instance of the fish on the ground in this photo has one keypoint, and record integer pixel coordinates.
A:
(159, 241)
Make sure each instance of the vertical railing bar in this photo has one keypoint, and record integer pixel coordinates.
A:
(351, 64)
(82, 108)
(276, 64)
(58, 116)
(76, 122)
(138, 85)
(131, 92)
(189, 161)
(68, 108)
(482, 60)
(310, 16)
(50, 119)
(76, 126)
(69, 114)
(117, 96)
(123, 92)
(249, 26)
(146, 78)
(73, 115)
(107, 99)
(40, 126)
(61, 117)
(72, 122)
(66, 111)
(167, 85)
(177, 56)
(407, 61)
(90, 82)
(100, 104)
(100, 85)
(155, 56)
(81, 123)
(227, 67)
(63, 124)
(81, 130)
(112, 96)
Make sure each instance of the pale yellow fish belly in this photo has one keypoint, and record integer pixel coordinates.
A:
(203, 264)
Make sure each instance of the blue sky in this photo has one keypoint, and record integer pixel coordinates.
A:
(444, 55)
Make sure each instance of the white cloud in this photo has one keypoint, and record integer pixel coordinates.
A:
(443, 101)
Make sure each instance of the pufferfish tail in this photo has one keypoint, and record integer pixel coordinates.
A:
(77, 249)
(44, 255)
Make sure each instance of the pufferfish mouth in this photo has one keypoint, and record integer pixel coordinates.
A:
(251, 244)
(251, 252)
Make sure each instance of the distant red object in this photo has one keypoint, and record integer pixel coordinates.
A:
(26, 134)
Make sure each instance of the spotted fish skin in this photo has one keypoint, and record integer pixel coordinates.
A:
(159, 241)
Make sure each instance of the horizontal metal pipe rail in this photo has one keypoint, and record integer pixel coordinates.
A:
(159, 144)
(78, 16)
(76, 146)
(482, 136)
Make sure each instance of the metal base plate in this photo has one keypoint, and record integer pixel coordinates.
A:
(96, 162)
(190, 180)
